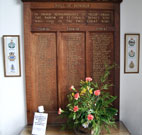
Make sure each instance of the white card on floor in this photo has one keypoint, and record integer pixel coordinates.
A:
(39, 124)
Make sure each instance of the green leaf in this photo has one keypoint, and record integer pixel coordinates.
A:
(105, 87)
(107, 128)
(100, 106)
(74, 116)
(96, 86)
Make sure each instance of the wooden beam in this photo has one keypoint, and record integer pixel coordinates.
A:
(113, 1)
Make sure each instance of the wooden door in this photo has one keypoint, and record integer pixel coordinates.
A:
(64, 43)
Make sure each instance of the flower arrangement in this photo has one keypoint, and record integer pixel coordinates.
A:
(90, 106)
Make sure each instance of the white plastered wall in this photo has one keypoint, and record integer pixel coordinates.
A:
(12, 90)
(131, 84)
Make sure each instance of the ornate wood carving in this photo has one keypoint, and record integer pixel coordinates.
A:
(64, 43)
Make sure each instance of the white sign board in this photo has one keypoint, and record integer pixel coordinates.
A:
(39, 124)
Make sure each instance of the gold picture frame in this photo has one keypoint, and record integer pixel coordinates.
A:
(131, 53)
(11, 55)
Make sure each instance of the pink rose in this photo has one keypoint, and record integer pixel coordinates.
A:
(72, 88)
(75, 109)
(76, 96)
(88, 79)
(90, 117)
(59, 111)
(97, 92)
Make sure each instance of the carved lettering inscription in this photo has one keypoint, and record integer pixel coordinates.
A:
(72, 5)
(74, 44)
(75, 17)
(100, 17)
(72, 66)
(102, 52)
(46, 71)
(73, 58)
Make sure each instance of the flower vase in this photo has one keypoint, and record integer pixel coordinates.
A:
(83, 131)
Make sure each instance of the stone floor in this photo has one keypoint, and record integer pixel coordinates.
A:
(55, 130)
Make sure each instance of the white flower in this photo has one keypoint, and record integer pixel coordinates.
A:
(72, 88)
(86, 124)
(90, 111)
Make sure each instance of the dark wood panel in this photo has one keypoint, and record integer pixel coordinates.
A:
(72, 0)
(67, 51)
(71, 63)
(71, 28)
(72, 17)
(102, 46)
(72, 20)
(45, 73)
(102, 49)
(29, 55)
(71, 5)
(117, 56)
(45, 56)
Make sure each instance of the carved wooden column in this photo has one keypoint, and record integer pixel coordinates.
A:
(64, 43)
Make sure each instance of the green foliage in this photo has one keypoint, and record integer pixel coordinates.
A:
(92, 99)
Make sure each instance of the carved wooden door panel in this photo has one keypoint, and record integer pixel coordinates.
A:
(101, 45)
(64, 43)
(45, 73)
(71, 62)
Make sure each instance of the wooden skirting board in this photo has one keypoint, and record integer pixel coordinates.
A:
(56, 130)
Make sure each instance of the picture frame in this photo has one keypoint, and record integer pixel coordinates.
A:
(11, 55)
(131, 53)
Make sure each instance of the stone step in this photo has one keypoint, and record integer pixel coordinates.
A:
(56, 130)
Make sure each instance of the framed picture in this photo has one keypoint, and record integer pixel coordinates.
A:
(132, 49)
(11, 55)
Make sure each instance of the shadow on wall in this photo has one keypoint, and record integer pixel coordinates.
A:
(18, 1)
(1, 59)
